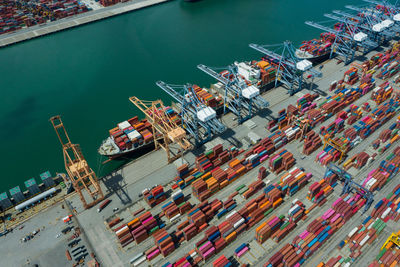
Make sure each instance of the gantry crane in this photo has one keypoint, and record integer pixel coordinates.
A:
(349, 185)
(373, 19)
(290, 69)
(302, 123)
(393, 10)
(81, 175)
(172, 134)
(394, 238)
(345, 45)
(239, 97)
(371, 23)
(199, 120)
(358, 31)
(338, 147)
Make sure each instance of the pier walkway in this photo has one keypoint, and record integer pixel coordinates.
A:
(74, 21)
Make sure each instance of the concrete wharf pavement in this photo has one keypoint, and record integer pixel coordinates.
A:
(139, 175)
(124, 186)
(74, 21)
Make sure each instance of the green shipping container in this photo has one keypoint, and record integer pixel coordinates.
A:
(154, 229)
(240, 187)
(268, 212)
(380, 254)
(283, 226)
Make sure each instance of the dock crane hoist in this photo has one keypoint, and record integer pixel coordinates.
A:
(81, 175)
(393, 10)
(370, 23)
(378, 24)
(394, 238)
(359, 32)
(195, 115)
(290, 69)
(349, 185)
(171, 132)
(239, 97)
(345, 44)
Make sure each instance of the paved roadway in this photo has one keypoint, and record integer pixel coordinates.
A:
(124, 185)
(73, 21)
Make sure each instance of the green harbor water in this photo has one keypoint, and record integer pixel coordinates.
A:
(86, 74)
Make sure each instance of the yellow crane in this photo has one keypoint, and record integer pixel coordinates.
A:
(170, 131)
(335, 145)
(394, 238)
(80, 174)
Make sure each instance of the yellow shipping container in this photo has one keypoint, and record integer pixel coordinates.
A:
(277, 203)
(265, 204)
(224, 183)
(261, 226)
(133, 222)
(262, 64)
(230, 237)
(206, 176)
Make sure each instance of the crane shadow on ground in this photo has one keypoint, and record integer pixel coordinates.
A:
(227, 136)
(315, 88)
(116, 184)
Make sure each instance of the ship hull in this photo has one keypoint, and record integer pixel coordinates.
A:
(314, 59)
(134, 152)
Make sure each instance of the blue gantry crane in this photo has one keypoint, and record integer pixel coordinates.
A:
(239, 97)
(391, 12)
(349, 184)
(369, 21)
(357, 31)
(346, 40)
(198, 119)
(291, 69)
(371, 17)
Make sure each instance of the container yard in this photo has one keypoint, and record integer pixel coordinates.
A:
(272, 199)
(305, 175)
(24, 20)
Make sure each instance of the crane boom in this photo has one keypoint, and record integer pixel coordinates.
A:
(82, 177)
(162, 123)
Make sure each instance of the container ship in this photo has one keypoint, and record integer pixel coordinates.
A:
(133, 137)
(316, 50)
(210, 99)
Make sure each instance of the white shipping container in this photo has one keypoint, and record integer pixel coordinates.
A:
(122, 229)
(238, 223)
(123, 125)
(176, 193)
(293, 209)
(352, 232)
(364, 240)
(175, 217)
(139, 261)
(135, 258)
(385, 213)
(230, 214)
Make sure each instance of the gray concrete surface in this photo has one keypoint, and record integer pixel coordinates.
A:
(123, 187)
(74, 21)
(47, 248)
